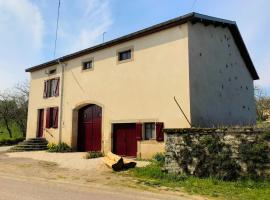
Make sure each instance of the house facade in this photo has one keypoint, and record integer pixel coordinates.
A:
(118, 96)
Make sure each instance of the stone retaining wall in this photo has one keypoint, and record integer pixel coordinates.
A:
(221, 152)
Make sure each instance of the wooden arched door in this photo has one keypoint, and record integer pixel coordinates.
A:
(89, 128)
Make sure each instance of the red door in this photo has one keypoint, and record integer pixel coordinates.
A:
(124, 139)
(40, 123)
(89, 128)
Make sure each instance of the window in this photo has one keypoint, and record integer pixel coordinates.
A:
(52, 71)
(124, 55)
(152, 131)
(51, 88)
(149, 131)
(52, 117)
(87, 65)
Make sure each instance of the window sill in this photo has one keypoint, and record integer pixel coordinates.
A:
(124, 61)
(50, 97)
(87, 70)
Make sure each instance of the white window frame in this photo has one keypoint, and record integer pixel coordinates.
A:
(154, 134)
(85, 61)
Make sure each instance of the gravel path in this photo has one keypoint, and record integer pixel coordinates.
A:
(64, 160)
(69, 169)
(68, 160)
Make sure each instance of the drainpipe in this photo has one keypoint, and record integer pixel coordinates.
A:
(61, 99)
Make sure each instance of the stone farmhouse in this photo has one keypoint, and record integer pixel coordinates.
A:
(191, 71)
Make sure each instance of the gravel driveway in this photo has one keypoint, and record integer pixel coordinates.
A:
(64, 160)
(69, 169)
(72, 160)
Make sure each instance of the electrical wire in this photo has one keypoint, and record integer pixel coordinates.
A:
(193, 4)
(56, 31)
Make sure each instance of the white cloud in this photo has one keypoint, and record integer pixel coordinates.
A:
(21, 35)
(21, 15)
(88, 28)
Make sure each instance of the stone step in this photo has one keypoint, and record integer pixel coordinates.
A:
(36, 139)
(30, 147)
(31, 144)
(22, 149)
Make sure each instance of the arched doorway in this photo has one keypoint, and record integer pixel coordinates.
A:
(89, 128)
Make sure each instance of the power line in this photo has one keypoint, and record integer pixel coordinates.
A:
(193, 4)
(56, 31)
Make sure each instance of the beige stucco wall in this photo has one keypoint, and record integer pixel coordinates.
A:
(221, 87)
(148, 148)
(36, 102)
(138, 91)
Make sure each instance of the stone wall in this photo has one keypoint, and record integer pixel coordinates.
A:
(225, 153)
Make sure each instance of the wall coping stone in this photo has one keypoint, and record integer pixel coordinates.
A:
(241, 130)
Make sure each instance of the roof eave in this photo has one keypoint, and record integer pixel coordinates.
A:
(192, 17)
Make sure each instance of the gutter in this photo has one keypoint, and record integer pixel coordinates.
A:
(61, 99)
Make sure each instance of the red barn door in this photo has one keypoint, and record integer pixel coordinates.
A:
(89, 128)
(40, 123)
(124, 139)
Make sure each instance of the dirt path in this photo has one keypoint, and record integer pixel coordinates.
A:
(96, 175)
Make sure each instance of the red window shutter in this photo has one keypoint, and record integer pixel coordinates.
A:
(139, 131)
(55, 117)
(48, 111)
(159, 131)
(45, 92)
(56, 91)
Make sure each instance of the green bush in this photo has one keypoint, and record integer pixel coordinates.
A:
(160, 158)
(266, 136)
(59, 148)
(11, 141)
(93, 154)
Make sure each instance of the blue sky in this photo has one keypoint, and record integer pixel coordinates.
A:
(27, 28)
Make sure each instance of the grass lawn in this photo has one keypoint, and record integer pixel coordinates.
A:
(17, 136)
(152, 175)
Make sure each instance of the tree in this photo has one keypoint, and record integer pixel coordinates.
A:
(8, 109)
(21, 95)
(14, 107)
(262, 104)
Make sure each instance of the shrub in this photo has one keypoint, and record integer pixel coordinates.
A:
(266, 136)
(93, 154)
(160, 158)
(59, 148)
(11, 141)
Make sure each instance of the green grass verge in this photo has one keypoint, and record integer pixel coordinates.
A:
(263, 124)
(240, 190)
